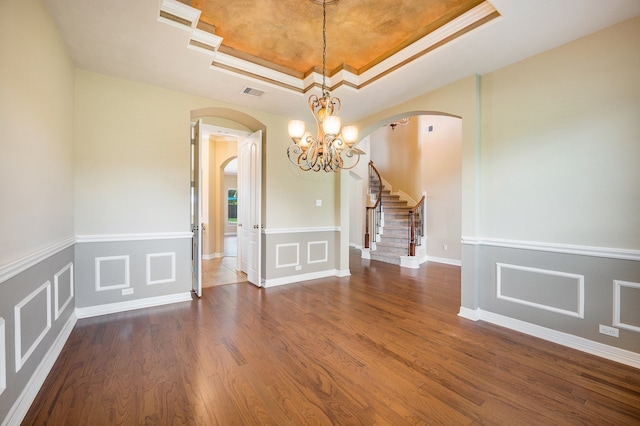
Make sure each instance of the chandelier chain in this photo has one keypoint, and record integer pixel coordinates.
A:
(324, 44)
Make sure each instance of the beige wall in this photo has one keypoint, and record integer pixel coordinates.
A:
(396, 156)
(560, 144)
(36, 131)
(132, 162)
(440, 177)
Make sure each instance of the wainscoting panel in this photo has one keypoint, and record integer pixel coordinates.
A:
(130, 272)
(112, 272)
(626, 309)
(62, 289)
(36, 310)
(569, 289)
(3, 358)
(287, 255)
(553, 291)
(317, 251)
(161, 268)
(37, 306)
(293, 255)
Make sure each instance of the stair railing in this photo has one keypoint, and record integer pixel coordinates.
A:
(374, 212)
(416, 228)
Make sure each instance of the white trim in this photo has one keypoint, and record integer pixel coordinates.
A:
(303, 277)
(212, 256)
(126, 284)
(13, 268)
(284, 265)
(17, 312)
(326, 251)
(580, 289)
(268, 231)
(445, 260)
(172, 278)
(180, 10)
(104, 238)
(612, 353)
(60, 309)
(112, 308)
(3, 357)
(613, 253)
(23, 403)
(616, 304)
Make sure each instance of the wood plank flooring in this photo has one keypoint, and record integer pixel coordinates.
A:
(384, 346)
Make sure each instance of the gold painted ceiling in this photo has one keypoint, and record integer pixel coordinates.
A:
(286, 35)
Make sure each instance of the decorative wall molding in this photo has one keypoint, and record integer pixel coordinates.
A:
(172, 260)
(23, 403)
(579, 343)
(98, 278)
(104, 238)
(325, 257)
(617, 310)
(3, 357)
(269, 231)
(56, 291)
(13, 268)
(612, 253)
(579, 313)
(273, 282)
(285, 265)
(111, 308)
(20, 358)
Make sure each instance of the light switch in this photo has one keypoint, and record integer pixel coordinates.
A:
(318, 203)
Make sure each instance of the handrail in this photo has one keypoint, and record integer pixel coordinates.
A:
(415, 234)
(374, 210)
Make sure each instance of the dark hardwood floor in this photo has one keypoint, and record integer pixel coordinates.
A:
(384, 346)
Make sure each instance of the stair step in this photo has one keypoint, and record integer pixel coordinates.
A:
(401, 240)
(388, 248)
(387, 258)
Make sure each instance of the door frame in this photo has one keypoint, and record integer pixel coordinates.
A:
(250, 125)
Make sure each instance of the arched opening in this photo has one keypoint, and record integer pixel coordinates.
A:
(422, 156)
(221, 131)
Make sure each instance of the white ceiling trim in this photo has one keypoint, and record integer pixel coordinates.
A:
(258, 73)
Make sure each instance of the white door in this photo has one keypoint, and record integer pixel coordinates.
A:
(250, 206)
(196, 210)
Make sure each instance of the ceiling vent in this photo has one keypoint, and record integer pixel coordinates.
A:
(252, 92)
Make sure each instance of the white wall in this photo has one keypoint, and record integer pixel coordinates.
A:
(36, 131)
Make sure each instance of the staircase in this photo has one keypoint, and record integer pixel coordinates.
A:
(393, 234)
(394, 228)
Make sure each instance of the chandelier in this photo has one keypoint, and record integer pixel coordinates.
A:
(333, 147)
(401, 122)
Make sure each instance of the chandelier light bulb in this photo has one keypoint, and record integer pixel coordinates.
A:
(331, 125)
(296, 129)
(350, 134)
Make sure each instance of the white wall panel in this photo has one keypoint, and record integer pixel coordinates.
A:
(24, 305)
(63, 284)
(161, 268)
(112, 272)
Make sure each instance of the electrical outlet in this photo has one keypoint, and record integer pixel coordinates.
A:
(298, 267)
(609, 331)
(126, 291)
(445, 247)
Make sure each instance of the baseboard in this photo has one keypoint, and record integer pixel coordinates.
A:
(444, 260)
(612, 353)
(212, 256)
(112, 308)
(302, 277)
(23, 403)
